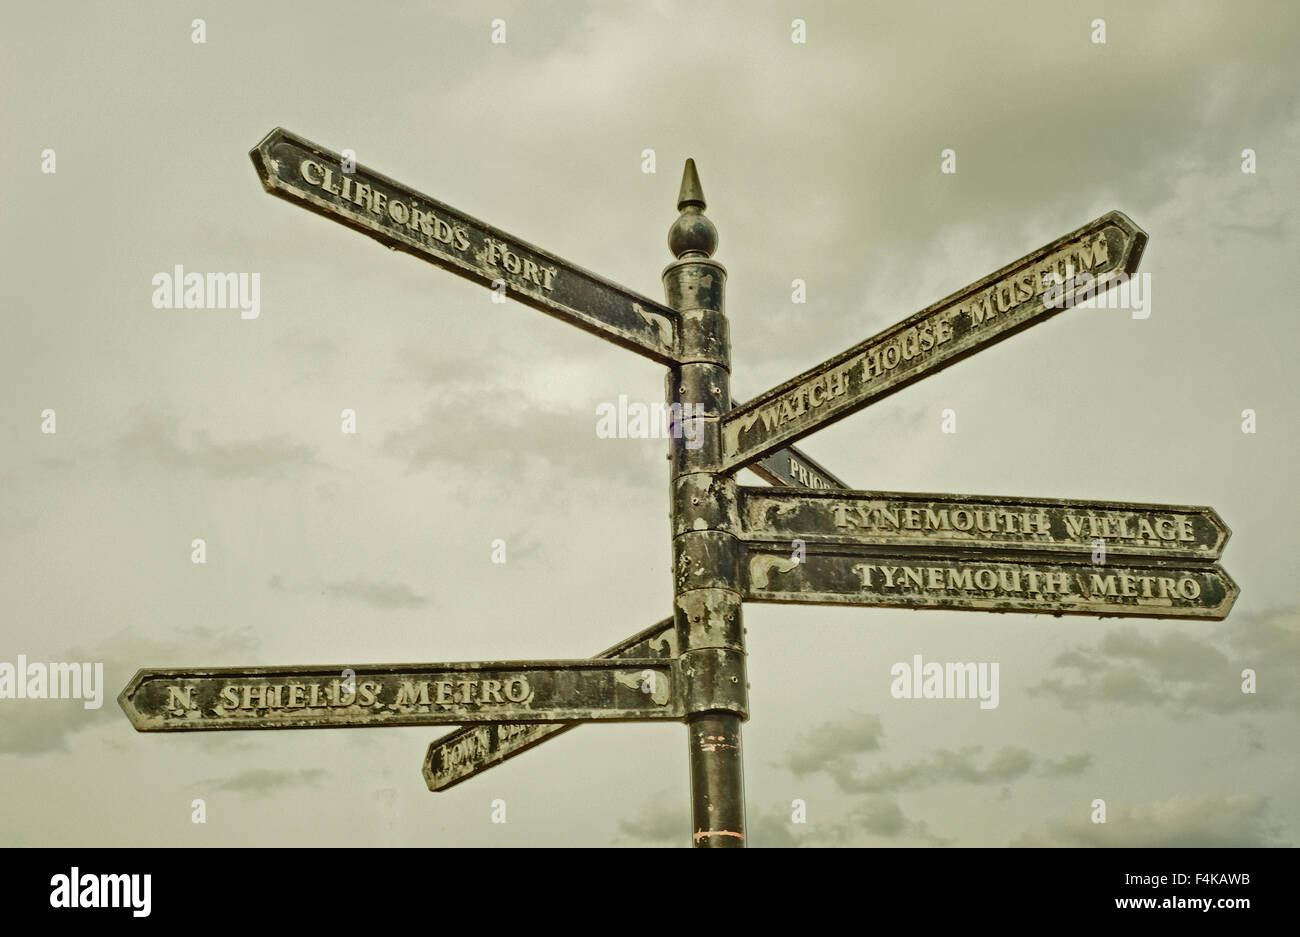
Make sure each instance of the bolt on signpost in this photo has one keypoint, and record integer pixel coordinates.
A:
(730, 544)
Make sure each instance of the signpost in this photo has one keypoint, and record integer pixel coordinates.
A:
(809, 540)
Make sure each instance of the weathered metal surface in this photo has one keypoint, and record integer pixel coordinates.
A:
(398, 216)
(792, 468)
(402, 694)
(844, 576)
(994, 308)
(460, 755)
(714, 680)
(932, 521)
(706, 573)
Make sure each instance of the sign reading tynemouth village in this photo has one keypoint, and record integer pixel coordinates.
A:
(809, 539)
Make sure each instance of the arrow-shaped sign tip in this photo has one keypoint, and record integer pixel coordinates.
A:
(125, 700)
(1230, 594)
(1140, 237)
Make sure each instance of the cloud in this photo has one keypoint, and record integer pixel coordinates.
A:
(487, 431)
(830, 746)
(1215, 821)
(154, 438)
(378, 594)
(1007, 764)
(34, 727)
(1069, 765)
(883, 817)
(664, 822)
(1184, 674)
(262, 781)
(865, 821)
(658, 822)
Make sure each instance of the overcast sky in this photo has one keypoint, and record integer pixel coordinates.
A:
(476, 421)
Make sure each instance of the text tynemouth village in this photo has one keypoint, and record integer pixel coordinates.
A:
(807, 539)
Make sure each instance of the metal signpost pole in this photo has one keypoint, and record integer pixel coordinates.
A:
(705, 522)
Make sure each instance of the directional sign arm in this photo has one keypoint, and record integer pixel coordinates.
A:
(892, 520)
(864, 576)
(402, 694)
(460, 755)
(301, 172)
(1024, 293)
(793, 468)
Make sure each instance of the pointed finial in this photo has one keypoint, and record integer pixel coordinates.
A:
(692, 234)
(692, 193)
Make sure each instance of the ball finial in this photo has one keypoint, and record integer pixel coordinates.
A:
(692, 233)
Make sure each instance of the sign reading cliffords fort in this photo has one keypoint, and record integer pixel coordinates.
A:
(308, 175)
(1023, 293)
(401, 694)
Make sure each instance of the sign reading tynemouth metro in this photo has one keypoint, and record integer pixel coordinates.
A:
(814, 542)
(990, 583)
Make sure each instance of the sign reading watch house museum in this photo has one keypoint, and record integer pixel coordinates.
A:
(994, 308)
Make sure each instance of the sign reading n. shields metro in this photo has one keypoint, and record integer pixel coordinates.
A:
(401, 694)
